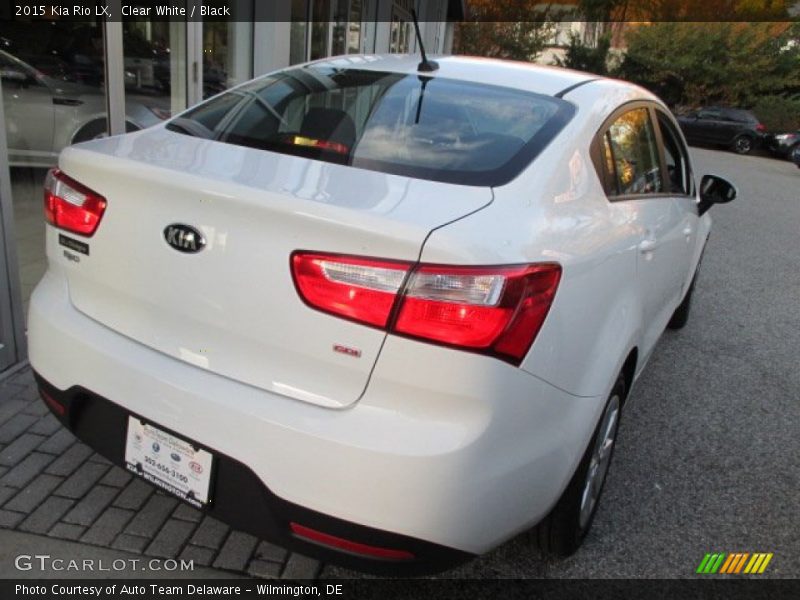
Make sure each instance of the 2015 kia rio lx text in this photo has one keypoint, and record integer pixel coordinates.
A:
(383, 317)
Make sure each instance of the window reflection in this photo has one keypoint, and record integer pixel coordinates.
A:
(631, 143)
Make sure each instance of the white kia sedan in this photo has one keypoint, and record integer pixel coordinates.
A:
(382, 317)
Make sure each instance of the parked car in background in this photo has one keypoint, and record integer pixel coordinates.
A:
(385, 317)
(44, 114)
(782, 144)
(737, 129)
(796, 156)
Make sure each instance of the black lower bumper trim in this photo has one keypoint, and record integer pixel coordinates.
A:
(240, 498)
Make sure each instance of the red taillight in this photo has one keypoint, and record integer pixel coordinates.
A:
(70, 205)
(761, 128)
(495, 310)
(332, 541)
(360, 289)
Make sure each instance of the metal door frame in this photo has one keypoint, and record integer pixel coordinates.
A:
(13, 345)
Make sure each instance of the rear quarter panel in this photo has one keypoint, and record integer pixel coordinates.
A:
(557, 211)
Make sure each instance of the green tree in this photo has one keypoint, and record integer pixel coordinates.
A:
(704, 63)
(584, 57)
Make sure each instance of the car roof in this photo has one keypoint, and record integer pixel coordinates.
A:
(514, 74)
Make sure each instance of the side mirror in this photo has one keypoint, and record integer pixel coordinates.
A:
(714, 190)
(15, 77)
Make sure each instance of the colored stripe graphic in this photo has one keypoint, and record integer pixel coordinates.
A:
(741, 562)
(703, 563)
(758, 563)
(711, 563)
(732, 560)
(733, 563)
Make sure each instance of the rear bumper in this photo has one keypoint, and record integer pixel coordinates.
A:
(778, 148)
(242, 500)
(447, 454)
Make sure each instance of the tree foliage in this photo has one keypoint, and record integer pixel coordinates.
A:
(512, 29)
(715, 62)
(584, 57)
(685, 10)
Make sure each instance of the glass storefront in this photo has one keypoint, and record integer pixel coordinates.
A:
(54, 91)
(53, 96)
(155, 70)
(228, 51)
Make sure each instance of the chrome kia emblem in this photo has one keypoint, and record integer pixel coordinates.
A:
(184, 238)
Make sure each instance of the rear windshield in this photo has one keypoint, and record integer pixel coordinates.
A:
(418, 126)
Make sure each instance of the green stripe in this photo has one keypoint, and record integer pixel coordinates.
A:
(718, 564)
(702, 566)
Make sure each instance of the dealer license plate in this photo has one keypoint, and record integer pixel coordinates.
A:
(169, 462)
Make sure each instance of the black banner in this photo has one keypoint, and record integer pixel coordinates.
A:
(452, 10)
(389, 589)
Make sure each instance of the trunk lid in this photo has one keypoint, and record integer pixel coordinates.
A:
(232, 308)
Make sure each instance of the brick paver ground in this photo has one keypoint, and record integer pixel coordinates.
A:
(52, 484)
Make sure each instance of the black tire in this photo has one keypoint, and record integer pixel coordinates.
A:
(95, 129)
(681, 315)
(561, 532)
(743, 144)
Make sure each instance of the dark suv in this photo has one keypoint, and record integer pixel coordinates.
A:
(737, 129)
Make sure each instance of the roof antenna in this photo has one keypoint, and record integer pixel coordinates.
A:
(426, 66)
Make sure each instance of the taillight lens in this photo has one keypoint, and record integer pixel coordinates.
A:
(498, 310)
(360, 289)
(494, 310)
(761, 128)
(70, 205)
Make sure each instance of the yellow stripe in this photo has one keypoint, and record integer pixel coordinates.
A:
(765, 563)
(728, 561)
(757, 563)
(741, 563)
(749, 568)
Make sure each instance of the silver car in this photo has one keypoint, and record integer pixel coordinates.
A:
(43, 115)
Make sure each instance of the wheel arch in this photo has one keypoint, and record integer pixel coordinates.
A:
(130, 126)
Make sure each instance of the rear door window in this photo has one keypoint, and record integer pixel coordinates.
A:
(631, 152)
(675, 156)
(415, 125)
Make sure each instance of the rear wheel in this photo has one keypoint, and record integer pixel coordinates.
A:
(562, 532)
(743, 144)
(681, 315)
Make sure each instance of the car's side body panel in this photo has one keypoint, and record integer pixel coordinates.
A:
(558, 210)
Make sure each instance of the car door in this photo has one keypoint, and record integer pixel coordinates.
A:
(29, 111)
(635, 178)
(710, 125)
(681, 186)
(730, 126)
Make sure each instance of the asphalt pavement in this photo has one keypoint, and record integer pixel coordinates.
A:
(708, 454)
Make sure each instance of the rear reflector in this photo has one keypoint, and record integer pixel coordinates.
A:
(349, 546)
(54, 404)
(70, 205)
(495, 310)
